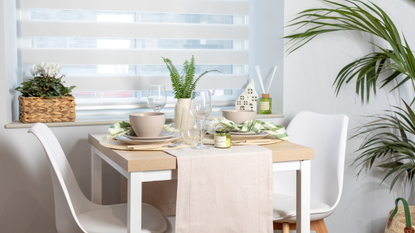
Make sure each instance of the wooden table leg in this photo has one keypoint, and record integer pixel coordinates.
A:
(134, 202)
(303, 197)
(96, 177)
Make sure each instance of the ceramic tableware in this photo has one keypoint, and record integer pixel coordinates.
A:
(163, 135)
(147, 124)
(238, 116)
(143, 142)
(251, 136)
(241, 133)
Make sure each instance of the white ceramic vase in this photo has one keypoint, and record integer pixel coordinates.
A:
(182, 104)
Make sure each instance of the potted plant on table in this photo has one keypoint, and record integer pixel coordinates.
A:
(183, 84)
(44, 98)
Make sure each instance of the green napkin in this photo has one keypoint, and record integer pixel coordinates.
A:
(277, 131)
(123, 127)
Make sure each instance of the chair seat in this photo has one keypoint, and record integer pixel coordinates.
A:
(113, 219)
(284, 209)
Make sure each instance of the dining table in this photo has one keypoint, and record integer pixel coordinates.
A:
(147, 166)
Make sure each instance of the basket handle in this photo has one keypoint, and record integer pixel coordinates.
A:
(408, 228)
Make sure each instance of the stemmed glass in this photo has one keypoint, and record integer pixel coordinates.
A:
(200, 107)
(157, 97)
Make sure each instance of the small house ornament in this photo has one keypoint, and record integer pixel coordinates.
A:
(248, 100)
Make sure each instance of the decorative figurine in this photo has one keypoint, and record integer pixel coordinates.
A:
(248, 100)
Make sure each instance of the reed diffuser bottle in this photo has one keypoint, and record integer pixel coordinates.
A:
(265, 104)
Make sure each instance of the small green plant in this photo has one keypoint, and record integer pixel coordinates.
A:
(184, 83)
(45, 83)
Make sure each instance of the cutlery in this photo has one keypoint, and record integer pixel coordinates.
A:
(174, 144)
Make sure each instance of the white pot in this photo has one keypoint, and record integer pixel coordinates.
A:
(182, 104)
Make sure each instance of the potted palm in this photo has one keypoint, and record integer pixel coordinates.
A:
(389, 137)
(183, 84)
(44, 98)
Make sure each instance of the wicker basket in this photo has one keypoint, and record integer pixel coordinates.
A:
(35, 109)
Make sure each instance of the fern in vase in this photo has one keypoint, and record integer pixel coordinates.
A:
(184, 83)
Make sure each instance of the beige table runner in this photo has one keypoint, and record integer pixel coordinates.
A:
(224, 190)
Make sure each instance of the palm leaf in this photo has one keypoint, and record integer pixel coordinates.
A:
(386, 140)
(362, 17)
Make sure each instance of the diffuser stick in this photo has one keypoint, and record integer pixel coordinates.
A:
(272, 78)
(258, 72)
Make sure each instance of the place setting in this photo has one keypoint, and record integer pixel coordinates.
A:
(244, 129)
(145, 130)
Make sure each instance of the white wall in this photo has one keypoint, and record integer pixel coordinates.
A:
(308, 77)
(266, 47)
(26, 196)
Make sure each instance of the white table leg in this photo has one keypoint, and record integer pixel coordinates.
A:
(96, 177)
(134, 202)
(303, 197)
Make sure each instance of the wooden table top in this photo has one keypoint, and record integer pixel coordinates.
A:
(134, 161)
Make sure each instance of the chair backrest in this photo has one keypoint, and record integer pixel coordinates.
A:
(69, 199)
(327, 134)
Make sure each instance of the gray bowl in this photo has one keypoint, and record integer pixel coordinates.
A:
(147, 124)
(239, 116)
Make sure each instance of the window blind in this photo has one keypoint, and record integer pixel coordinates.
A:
(112, 50)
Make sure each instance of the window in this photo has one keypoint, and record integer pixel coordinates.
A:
(111, 50)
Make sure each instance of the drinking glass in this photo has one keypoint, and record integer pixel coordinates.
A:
(200, 107)
(189, 129)
(157, 97)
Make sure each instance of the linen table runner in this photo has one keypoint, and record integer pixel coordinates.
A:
(224, 190)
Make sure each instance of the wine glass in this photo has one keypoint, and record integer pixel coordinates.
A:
(189, 129)
(157, 97)
(200, 107)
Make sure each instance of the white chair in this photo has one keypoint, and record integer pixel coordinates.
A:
(327, 134)
(74, 212)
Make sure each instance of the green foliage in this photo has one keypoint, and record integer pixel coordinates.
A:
(184, 83)
(388, 139)
(362, 17)
(44, 87)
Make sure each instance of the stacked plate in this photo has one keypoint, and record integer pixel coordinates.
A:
(236, 135)
(164, 137)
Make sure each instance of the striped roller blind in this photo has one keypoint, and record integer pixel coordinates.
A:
(111, 50)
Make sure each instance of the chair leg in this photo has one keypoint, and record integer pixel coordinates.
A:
(285, 227)
(319, 226)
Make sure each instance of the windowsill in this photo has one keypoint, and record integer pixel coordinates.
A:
(91, 122)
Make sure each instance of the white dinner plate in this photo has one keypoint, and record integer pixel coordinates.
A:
(240, 133)
(163, 135)
(243, 136)
(249, 137)
(141, 142)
